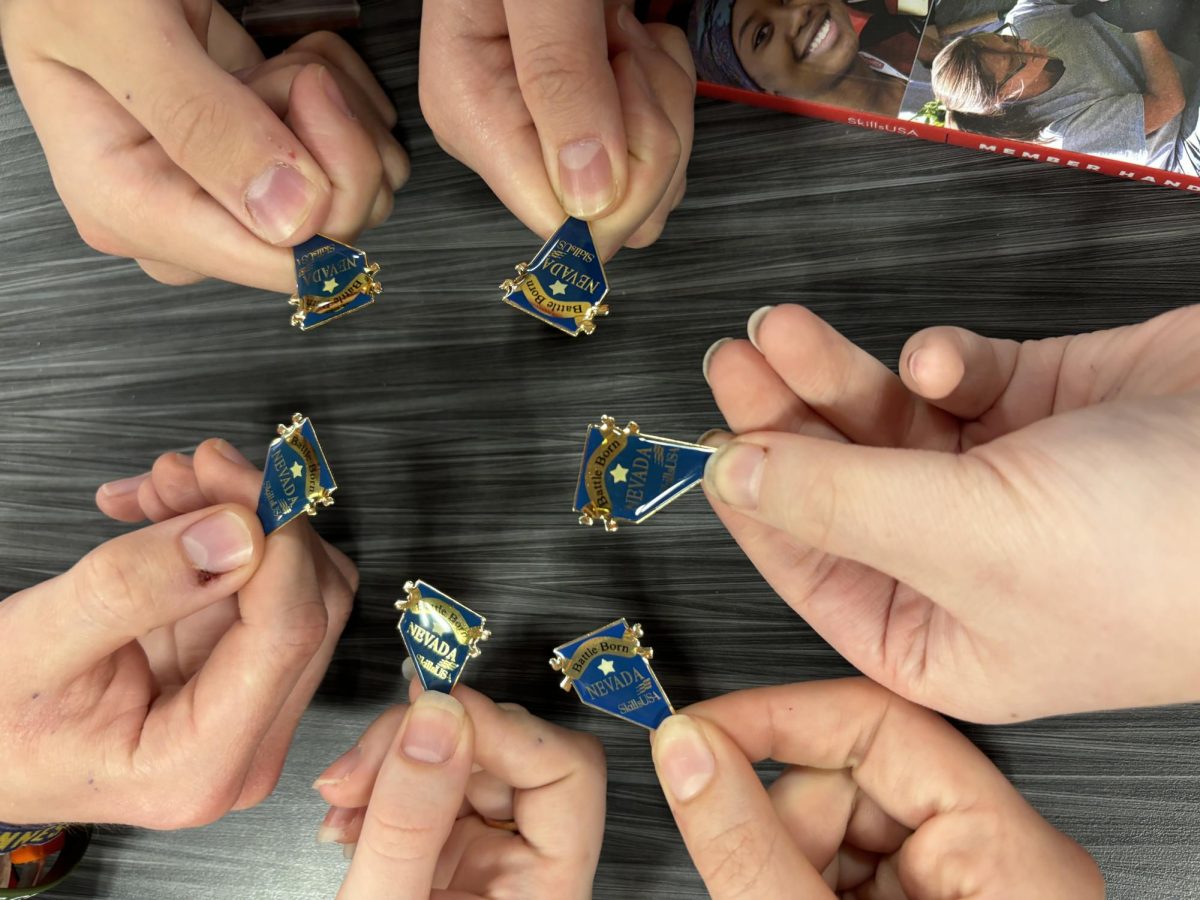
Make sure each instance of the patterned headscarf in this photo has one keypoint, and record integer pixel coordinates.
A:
(710, 32)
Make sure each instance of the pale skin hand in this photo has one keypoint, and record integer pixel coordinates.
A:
(881, 800)
(172, 141)
(162, 677)
(1004, 531)
(563, 107)
(411, 797)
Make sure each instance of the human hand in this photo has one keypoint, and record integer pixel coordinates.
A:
(171, 140)
(563, 106)
(161, 678)
(414, 797)
(1007, 530)
(881, 799)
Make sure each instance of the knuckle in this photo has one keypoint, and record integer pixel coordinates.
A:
(674, 43)
(551, 73)
(194, 123)
(325, 43)
(258, 785)
(339, 605)
(107, 593)
(940, 856)
(353, 579)
(397, 836)
(307, 625)
(208, 801)
(732, 861)
(649, 232)
(98, 236)
(660, 142)
(170, 276)
(297, 58)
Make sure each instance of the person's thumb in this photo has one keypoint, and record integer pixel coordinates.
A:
(918, 515)
(210, 124)
(132, 584)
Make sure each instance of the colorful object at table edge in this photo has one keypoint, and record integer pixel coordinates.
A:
(75, 842)
(572, 301)
(439, 633)
(332, 280)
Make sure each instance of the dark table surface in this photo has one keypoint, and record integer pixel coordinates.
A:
(454, 425)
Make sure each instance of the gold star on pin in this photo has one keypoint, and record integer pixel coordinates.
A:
(618, 473)
(606, 666)
(558, 288)
(297, 470)
(329, 286)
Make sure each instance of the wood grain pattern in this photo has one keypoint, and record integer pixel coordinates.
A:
(421, 401)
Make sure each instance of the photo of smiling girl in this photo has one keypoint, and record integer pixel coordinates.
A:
(856, 55)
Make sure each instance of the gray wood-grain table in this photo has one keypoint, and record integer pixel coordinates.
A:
(454, 425)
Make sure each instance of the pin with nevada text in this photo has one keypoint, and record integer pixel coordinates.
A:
(332, 280)
(565, 283)
(439, 633)
(296, 477)
(627, 476)
(610, 671)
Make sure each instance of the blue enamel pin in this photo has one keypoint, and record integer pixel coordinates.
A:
(565, 283)
(296, 477)
(627, 476)
(332, 280)
(610, 671)
(439, 633)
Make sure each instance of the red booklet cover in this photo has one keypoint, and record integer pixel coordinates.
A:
(1110, 86)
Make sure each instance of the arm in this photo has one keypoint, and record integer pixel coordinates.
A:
(1163, 96)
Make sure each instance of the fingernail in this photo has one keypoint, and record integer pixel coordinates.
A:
(219, 543)
(334, 93)
(123, 486)
(684, 759)
(711, 352)
(408, 669)
(279, 201)
(586, 177)
(348, 849)
(334, 825)
(753, 323)
(914, 364)
(339, 770)
(231, 452)
(734, 474)
(714, 437)
(634, 29)
(432, 731)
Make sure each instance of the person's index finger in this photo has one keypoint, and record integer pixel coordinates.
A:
(855, 724)
(560, 51)
(414, 804)
(737, 842)
(211, 125)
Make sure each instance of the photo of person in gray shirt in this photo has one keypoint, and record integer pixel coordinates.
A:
(1075, 82)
